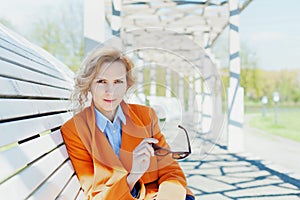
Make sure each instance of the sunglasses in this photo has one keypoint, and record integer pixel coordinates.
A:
(177, 155)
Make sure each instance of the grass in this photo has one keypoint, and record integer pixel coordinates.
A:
(288, 123)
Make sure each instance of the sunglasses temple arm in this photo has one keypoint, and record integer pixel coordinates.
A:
(187, 136)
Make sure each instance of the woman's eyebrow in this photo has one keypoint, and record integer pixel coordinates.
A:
(117, 78)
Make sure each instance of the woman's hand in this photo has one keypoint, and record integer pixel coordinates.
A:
(140, 160)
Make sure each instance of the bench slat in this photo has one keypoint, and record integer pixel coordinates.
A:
(14, 131)
(54, 185)
(14, 108)
(71, 190)
(11, 87)
(34, 103)
(18, 157)
(80, 196)
(21, 46)
(22, 49)
(24, 183)
(18, 72)
(21, 60)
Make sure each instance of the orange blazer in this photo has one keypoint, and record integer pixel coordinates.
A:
(103, 174)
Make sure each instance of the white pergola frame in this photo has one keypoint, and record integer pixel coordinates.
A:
(202, 21)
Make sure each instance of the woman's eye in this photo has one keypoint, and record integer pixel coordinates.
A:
(100, 81)
(119, 81)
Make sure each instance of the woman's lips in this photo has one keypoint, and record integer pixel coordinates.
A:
(108, 100)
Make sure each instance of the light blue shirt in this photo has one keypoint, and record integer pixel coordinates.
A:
(112, 130)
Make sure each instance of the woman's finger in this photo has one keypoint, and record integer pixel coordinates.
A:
(147, 149)
(144, 147)
(146, 141)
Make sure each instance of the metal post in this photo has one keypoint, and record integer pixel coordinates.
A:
(207, 106)
(152, 80)
(140, 81)
(206, 90)
(276, 99)
(264, 102)
(235, 92)
(116, 20)
(94, 24)
(276, 113)
(181, 91)
(191, 98)
(168, 82)
(198, 103)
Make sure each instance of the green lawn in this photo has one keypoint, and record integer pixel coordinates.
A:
(288, 123)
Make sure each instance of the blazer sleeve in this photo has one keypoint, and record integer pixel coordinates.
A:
(104, 187)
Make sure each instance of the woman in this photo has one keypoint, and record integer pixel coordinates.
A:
(110, 142)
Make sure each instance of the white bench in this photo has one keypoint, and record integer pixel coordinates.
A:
(34, 103)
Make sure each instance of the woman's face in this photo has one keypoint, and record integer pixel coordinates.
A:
(109, 87)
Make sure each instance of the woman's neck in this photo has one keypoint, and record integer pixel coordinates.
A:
(109, 115)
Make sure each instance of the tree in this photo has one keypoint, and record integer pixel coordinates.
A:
(62, 34)
(287, 85)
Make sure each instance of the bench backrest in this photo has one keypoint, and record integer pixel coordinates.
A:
(34, 103)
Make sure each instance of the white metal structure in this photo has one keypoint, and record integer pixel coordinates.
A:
(168, 34)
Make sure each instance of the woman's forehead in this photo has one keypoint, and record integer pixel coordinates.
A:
(115, 69)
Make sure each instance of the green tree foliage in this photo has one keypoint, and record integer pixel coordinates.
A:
(288, 85)
(250, 75)
(258, 82)
(62, 35)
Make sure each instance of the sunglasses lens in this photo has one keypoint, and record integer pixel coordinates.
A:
(180, 155)
(161, 152)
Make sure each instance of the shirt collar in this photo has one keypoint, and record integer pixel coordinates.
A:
(101, 120)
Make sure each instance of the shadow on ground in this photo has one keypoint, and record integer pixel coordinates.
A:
(224, 175)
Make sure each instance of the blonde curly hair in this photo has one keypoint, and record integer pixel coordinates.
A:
(89, 69)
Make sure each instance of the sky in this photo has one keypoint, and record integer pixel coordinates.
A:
(23, 13)
(270, 28)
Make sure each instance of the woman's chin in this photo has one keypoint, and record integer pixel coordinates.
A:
(109, 107)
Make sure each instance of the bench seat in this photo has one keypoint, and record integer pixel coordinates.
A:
(34, 103)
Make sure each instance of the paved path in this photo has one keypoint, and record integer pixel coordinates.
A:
(282, 153)
(224, 175)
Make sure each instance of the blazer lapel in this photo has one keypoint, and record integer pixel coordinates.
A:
(99, 147)
(132, 134)
(104, 152)
(95, 140)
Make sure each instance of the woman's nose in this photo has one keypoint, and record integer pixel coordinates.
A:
(109, 88)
